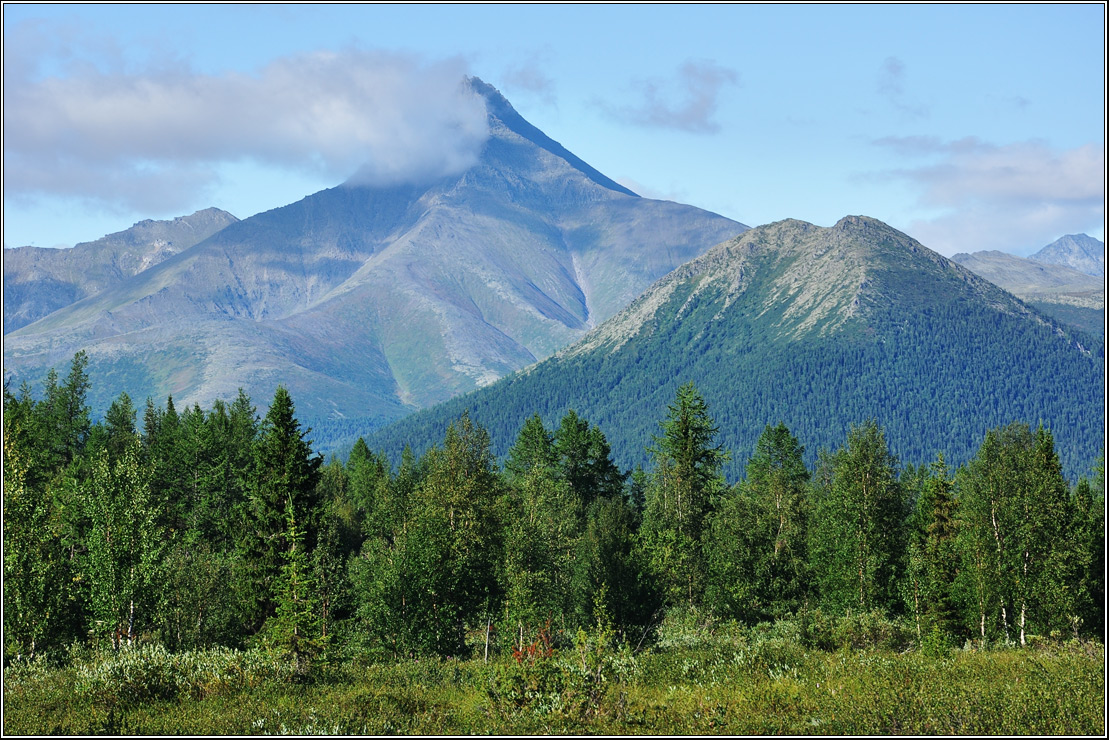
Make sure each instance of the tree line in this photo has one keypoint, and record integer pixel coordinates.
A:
(213, 527)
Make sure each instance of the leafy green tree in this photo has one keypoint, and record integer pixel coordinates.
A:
(124, 558)
(541, 534)
(857, 541)
(457, 524)
(584, 459)
(757, 546)
(380, 503)
(682, 491)
(339, 537)
(534, 448)
(119, 426)
(35, 569)
(1013, 503)
(1086, 556)
(606, 573)
(199, 607)
(418, 590)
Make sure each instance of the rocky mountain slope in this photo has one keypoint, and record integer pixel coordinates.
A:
(819, 328)
(39, 281)
(1076, 251)
(374, 301)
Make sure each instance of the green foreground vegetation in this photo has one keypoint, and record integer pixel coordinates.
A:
(211, 574)
(698, 679)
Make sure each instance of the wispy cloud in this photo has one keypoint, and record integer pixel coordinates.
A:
(891, 86)
(528, 77)
(149, 139)
(686, 103)
(1012, 197)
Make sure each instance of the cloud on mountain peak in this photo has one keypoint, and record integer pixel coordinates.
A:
(149, 140)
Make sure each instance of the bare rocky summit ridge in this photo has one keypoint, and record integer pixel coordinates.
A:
(1077, 251)
(811, 280)
(373, 301)
(39, 281)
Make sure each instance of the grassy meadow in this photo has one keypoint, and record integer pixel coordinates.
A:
(695, 679)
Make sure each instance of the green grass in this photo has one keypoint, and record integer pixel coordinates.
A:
(734, 682)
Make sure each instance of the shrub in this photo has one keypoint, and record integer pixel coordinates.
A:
(865, 630)
(133, 675)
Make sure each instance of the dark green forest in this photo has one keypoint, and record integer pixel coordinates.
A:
(937, 379)
(194, 528)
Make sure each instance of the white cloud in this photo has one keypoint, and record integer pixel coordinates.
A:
(688, 103)
(155, 137)
(1014, 198)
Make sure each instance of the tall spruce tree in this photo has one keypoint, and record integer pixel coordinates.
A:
(932, 558)
(683, 488)
(296, 629)
(285, 469)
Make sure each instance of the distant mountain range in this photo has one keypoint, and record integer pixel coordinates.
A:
(819, 328)
(39, 281)
(368, 302)
(1065, 279)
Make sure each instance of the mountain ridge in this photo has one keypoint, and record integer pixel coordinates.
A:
(1046, 282)
(39, 281)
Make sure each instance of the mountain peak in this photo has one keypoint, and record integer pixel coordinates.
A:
(501, 112)
(1077, 251)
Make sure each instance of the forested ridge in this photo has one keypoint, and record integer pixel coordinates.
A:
(196, 528)
(938, 379)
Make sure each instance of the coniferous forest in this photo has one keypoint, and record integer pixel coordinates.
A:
(205, 571)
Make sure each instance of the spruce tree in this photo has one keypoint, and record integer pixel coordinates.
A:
(295, 630)
(682, 491)
(285, 469)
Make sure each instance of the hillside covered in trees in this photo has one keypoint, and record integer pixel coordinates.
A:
(815, 328)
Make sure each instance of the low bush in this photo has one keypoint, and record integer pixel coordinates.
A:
(133, 675)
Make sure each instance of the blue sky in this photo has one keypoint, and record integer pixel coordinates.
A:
(968, 127)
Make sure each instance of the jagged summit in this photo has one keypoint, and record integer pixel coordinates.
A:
(502, 112)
